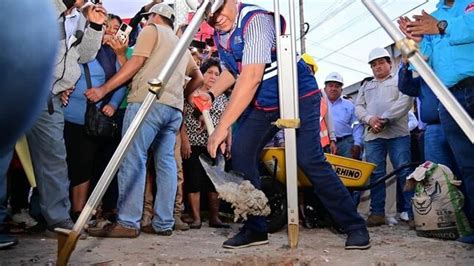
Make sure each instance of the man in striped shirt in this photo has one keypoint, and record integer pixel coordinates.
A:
(245, 38)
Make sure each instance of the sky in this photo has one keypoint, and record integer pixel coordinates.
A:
(341, 34)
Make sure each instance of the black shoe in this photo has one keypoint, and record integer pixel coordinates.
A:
(7, 241)
(150, 230)
(246, 238)
(358, 239)
(166, 232)
(40, 227)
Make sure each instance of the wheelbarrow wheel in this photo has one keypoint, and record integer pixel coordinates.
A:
(276, 194)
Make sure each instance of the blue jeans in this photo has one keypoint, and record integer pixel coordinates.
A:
(255, 130)
(344, 147)
(437, 148)
(5, 159)
(462, 147)
(158, 131)
(48, 154)
(376, 152)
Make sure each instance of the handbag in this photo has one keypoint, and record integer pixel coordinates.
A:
(96, 123)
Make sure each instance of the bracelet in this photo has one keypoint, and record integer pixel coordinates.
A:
(211, 95)
(95, 26)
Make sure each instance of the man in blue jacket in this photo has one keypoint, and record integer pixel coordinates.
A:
(447, 42)
(437, 148)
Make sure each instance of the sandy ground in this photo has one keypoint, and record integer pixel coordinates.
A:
(390, 246)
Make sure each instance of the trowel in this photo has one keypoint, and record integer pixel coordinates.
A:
(244, 197)
(214, 167)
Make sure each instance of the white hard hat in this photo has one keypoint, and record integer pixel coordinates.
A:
(334, 76)
(377, 53)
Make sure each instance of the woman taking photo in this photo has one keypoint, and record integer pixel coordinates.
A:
(85, 151)
(194, 142)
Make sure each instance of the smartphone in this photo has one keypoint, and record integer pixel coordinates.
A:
(123, 32)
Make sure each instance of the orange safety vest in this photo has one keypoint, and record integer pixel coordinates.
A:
(323, 133)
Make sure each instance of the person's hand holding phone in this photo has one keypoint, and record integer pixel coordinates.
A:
(107, 38)
(119, 47)
(97, 14)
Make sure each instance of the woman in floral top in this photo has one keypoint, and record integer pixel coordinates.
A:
(194, 142)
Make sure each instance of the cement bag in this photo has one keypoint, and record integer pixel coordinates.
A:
(437, 203)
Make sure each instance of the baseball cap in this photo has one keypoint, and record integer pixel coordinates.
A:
(163, 10)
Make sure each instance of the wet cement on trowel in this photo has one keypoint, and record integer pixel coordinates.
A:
(245, 199)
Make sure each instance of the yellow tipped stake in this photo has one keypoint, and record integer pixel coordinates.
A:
(289, 120)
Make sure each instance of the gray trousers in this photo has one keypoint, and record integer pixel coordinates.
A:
(48, 154)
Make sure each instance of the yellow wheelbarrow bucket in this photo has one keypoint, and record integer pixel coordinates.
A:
(353, 173)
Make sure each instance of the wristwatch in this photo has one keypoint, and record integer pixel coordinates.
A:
(442, 25)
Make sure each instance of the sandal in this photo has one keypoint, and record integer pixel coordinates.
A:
(194, 225)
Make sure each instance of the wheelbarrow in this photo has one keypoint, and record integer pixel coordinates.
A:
(354, 174)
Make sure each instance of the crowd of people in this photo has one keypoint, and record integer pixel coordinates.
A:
(160, 183)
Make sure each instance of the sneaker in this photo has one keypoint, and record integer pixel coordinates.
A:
(63, 227)
(466, 239)
(404, 216)
(114, 230)
(179, 224)
(391, 221)
(66, 224)
(375, 220)
(358, 239)
(23, 217)
(7, 241)
(246, 238)
(150, 230)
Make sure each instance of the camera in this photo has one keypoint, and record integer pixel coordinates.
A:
(123, 32)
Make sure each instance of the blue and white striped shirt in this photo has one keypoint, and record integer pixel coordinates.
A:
(259, 40)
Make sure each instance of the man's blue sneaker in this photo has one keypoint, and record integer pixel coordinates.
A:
(358, 239)
(246, 238)
(7, 241)
(467, 239)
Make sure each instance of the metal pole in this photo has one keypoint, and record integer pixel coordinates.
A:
(289, 115)
(156, 87)
(409, 49)
(302, 29)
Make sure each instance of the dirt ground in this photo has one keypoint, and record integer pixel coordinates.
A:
(390, 246)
